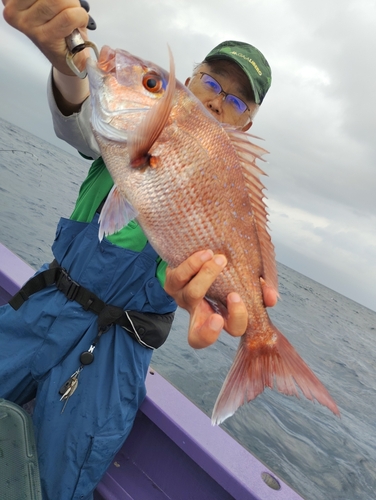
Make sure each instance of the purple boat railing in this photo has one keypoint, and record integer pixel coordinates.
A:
(173, 451)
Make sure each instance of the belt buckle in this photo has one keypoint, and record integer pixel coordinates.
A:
(66, 285)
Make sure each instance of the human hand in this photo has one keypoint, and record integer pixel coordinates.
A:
(47, 23)
(188, 285)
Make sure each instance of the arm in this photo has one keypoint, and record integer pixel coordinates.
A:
(73, 128)
(47, 23)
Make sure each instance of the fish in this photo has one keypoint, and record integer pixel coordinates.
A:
(193, 183)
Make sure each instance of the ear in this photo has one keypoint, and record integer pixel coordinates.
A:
(247, 127)
(186, 83)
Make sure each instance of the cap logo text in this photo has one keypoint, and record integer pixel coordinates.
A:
(251, 61)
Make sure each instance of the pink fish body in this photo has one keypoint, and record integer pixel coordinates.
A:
(193, 184)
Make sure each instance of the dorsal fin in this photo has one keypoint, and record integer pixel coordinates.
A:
(144, 136)
(248, 153)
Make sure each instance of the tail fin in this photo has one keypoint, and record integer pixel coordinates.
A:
(276, 364)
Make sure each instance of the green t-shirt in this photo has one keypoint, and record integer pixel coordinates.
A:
(94, 189)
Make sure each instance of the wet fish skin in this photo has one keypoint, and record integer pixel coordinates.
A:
(193, 184)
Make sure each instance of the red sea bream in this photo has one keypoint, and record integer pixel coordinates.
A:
(192, 184)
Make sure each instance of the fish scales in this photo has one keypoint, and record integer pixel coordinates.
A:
(202, 193)
(193, 184)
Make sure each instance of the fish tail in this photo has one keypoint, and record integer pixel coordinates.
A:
(273, 365)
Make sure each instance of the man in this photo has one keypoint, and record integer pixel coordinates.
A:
(67, 338)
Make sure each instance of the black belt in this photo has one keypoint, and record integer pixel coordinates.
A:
(148, 329)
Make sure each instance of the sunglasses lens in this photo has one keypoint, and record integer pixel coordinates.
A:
(211, 84)
(236, 103)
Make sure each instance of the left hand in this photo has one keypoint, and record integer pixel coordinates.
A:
(47, 23)
(188, 285)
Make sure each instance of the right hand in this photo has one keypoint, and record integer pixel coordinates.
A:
(47, 23)
(188, 284)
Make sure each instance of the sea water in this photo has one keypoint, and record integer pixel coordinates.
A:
(319, 455)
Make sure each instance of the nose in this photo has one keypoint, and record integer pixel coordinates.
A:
(215, 104)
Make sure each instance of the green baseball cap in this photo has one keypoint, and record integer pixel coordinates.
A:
(251, 61)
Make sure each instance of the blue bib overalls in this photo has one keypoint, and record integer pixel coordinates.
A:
(40, 347)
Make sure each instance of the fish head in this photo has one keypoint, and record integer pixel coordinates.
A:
(123, 89)
(133, 109)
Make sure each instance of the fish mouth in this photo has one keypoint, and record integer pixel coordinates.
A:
(101, 115)
(105, 64)
(107, 59)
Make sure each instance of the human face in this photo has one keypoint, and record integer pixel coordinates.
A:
(232, 100)
(232, 81)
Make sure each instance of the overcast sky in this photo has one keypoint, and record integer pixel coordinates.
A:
(318, 120)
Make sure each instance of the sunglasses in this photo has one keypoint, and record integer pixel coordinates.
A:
(212, 85)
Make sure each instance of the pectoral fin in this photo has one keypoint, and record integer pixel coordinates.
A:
(116, 213)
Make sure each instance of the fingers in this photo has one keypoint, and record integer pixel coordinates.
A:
(190, 281)
(19, 4)
(26, 15)
(62, 23)
(199, 285)
(237, 319)
(187, 269)
(270, 294)
(204, 328)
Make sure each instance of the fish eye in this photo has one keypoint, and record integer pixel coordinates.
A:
(152, 82)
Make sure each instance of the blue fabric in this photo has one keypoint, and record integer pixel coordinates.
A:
(40, 345)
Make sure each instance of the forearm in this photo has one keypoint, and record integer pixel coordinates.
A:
(74, 127)
(69, 92)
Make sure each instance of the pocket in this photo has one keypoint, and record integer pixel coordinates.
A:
(100, 453)
(159, 301)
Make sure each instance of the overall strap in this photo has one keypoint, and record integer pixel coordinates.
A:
(57, 275)
(149, 330)
(35, 284)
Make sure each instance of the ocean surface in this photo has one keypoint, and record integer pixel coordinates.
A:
(319, 455)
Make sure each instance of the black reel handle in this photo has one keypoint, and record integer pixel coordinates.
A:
(91, 25)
